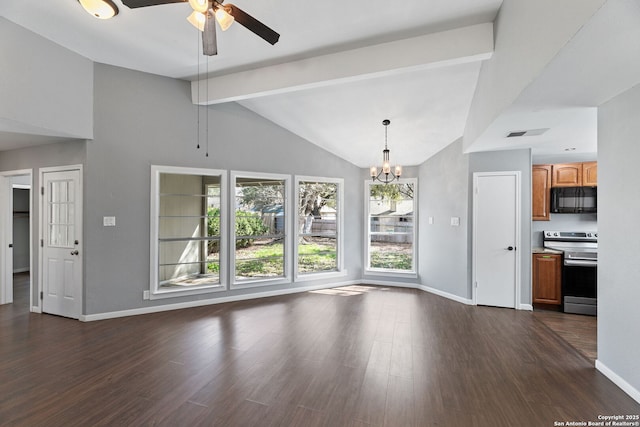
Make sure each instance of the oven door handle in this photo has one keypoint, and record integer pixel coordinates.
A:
(580, 263)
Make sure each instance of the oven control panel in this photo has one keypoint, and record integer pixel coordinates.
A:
(571, 235)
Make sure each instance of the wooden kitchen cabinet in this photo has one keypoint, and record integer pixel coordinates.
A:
(541, 192)
(567, 175)
(547, 278)
(575, 175)
(590, 174)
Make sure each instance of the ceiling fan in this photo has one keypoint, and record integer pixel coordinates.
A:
(204, 15)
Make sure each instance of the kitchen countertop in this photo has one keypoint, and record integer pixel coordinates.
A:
(539, 250)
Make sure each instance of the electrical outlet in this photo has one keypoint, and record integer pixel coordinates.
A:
(430, 220)
(145, 295)
(455, 221)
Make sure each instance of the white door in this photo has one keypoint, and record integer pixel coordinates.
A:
(8, 181)
(61, 253)
(6, 250)
(496, 238)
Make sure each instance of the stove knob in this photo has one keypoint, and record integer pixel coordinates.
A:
(555, 234)
(596, 235)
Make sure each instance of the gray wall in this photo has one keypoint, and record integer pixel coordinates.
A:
(143, 119)
(444, 193)
(618, 243)
(512, 160)
(50, 87)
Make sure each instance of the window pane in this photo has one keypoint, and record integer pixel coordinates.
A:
(391, 230)
(188, 230)
(181, 226)
(317, 254)
(259, 228)
(317, 226)
(60, 213)
(262, 258)
(188, 262)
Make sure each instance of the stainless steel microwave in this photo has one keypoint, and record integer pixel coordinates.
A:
(574, 199)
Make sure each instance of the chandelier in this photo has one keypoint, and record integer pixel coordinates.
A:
(385, 175)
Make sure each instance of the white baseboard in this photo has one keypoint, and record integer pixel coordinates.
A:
(36, 309)
(446, 295)
(619, 381)
(527, 307)
(211, 301)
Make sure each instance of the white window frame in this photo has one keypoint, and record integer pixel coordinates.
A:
(413, 273)
(339, 229)
(251, 283)
(155, 291)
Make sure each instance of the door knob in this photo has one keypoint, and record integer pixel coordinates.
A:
(74, 252)
(10, 245)
(509, 248)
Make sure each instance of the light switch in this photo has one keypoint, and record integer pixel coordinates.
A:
(430, 220)
(109, 221)
(455, 221)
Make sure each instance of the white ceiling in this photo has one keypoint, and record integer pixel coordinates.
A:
(601, 61)
(428, 107)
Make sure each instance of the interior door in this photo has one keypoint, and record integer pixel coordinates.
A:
(496, 238)
(62, 255)
(6, 250)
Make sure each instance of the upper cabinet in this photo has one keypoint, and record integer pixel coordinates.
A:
(575, 174)
(543, 177)
(541, 185)
(590, 174)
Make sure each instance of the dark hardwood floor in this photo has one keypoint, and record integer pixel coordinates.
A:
(579, 331)
(355, 356)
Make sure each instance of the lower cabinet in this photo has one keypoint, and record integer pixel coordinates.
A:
(547, 278)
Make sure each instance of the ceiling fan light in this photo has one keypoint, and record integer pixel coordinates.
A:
(199, 5)
(197, 20)
(101, 9)
(224, 18)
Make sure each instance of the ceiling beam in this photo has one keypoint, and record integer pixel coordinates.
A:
(467, 44)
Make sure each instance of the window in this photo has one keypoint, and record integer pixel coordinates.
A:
(187, 229)
(318, 226)
(260, 221)
(391, 231)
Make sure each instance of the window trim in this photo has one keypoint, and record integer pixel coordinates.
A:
(252, 283)
(299, 277)
(155, 291)
(413, 273)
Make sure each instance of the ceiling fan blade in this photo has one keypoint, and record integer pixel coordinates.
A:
(252, 24)
(209, 45)
(132, 4)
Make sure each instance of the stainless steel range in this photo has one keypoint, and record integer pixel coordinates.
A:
(579, 272)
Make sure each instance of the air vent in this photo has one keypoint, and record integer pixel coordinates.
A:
(517, 133)
(530, 132)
